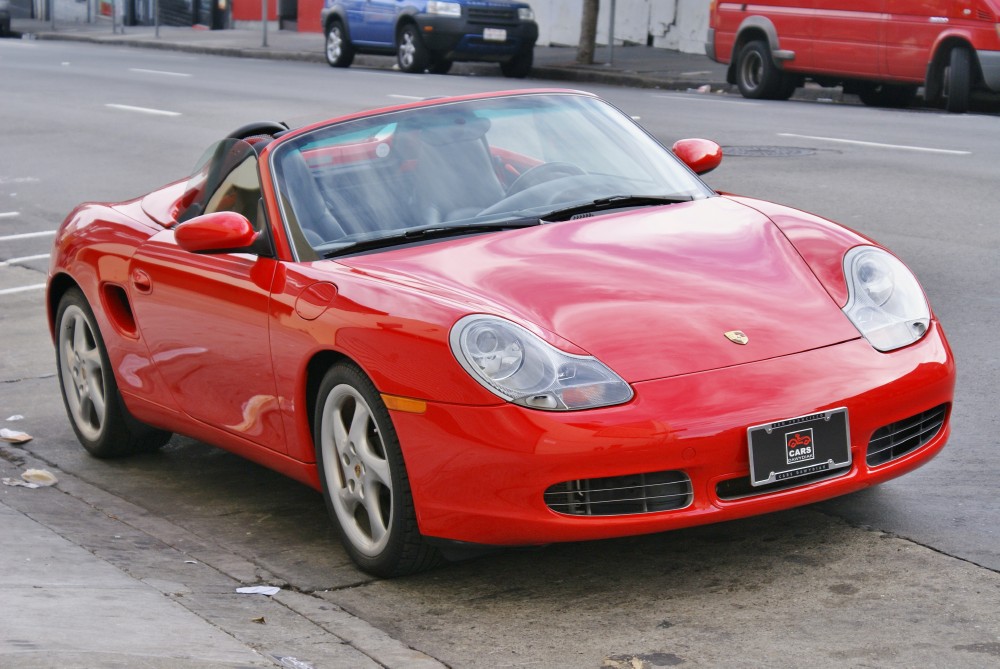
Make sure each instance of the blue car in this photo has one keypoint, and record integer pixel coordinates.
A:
(429, 35)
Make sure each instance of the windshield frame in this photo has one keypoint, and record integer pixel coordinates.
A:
(376, 121)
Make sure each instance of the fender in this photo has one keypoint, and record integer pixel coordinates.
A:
(407, 14)
(945, 42)
(764, 25)
(336, 11)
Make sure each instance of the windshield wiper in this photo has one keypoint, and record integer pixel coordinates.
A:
(613, 202)
(433, 231)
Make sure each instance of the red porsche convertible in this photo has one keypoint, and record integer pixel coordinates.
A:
(502, 319)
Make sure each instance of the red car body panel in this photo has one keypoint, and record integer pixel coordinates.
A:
(228, 348)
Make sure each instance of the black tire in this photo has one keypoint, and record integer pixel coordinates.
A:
(440, 66)
(898, 96)
(411, 54)
(520, 65)
(364, 479)
(958, 81)
(757, 77)
(89, 389)
(339, 51)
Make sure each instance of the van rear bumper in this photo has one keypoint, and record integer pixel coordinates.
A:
(989, 63)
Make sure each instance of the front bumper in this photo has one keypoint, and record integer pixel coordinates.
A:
(461, 39)
(478, 474)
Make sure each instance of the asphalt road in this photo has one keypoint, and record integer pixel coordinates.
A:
(902, 575)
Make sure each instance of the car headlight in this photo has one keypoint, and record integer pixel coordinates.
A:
(525, 14)
(520, 367)
(885, 301)
(444, 8)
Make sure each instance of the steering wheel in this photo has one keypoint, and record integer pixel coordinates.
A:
(542, 173)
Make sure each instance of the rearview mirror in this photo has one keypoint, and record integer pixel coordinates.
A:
(220, 232)
(701, 155)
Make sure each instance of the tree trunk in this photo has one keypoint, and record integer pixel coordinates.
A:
(588, 32)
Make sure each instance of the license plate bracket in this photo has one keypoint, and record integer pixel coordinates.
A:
(796, 447)
(494, 34)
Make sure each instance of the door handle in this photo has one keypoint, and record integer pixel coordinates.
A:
(141, 282)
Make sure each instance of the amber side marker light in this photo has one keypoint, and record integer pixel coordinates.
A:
(406, 404)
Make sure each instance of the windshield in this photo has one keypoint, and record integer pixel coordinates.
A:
(462, 164)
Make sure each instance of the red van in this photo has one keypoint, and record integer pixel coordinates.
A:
(882, 50)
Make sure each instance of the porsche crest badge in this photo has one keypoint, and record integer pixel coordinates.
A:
(738, 337)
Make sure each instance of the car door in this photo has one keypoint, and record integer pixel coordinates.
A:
(204, 319)
(372, 22)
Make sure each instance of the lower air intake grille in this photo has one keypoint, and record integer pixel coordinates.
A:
(621, 495)
(899, 438)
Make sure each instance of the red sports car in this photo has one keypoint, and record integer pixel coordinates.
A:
(501, 319)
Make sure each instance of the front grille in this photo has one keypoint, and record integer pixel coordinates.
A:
(621, 495)
(738, 488)
(493, 15)
(897, 439)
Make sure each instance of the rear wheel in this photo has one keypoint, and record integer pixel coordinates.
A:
(757, 76)
(94, 406)
(958, 81)
(364, 479)
(339, 52)
(411, 54)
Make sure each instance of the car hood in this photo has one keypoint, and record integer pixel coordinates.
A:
(650, 292)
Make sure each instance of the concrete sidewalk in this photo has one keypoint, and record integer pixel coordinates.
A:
(635, 66)
(90, 580)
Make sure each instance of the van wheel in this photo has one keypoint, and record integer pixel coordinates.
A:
(958, 81)
(887, 95)
(411, 54)
(757, 76)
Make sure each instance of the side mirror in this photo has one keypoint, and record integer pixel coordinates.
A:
(221, 232)
(701, 155)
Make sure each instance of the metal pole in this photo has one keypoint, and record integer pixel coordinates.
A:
(263, 20)
(52, 13)
(611, 36)
(156, 16)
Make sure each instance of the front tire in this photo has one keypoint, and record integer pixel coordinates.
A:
(89, 389)
(339, 52)
(958, 81)
(363, 476)
(411, 54)
(757, 77)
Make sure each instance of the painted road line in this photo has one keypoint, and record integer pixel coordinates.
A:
(15, 261)
(143, 110)
(22, 289)
(27, 235)
(407, 97)
(159, 72)
(9, 214)
(878, 145)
